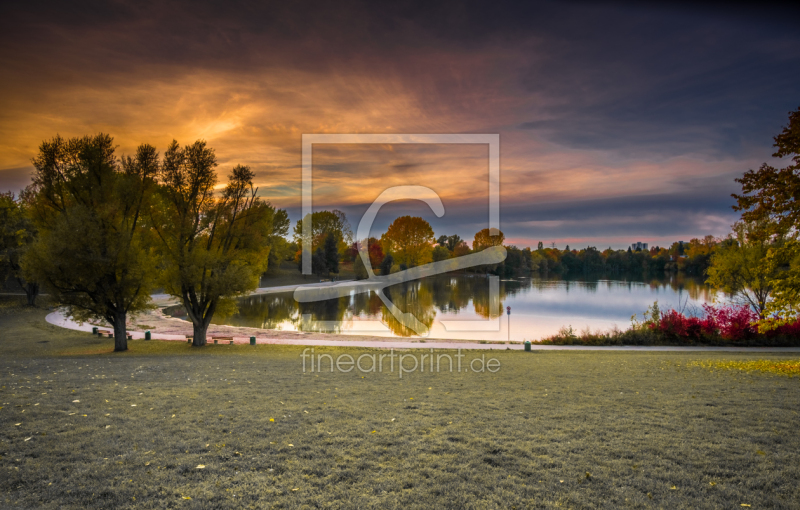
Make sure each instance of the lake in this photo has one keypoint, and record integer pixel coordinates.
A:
(463, 306)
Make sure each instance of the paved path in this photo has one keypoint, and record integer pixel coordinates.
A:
(58, 319)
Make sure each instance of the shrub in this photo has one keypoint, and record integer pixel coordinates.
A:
(718, 325)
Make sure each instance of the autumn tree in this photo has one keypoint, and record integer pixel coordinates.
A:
(483, 240)
(17, 233)
(410, 240)
(214, 248)
(771, 197)
(375, 252)
(461, 249)
(91, 251)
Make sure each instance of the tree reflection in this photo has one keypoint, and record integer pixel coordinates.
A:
(442, 294)
(415, 298)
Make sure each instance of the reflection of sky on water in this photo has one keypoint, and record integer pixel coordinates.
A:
(539, 306)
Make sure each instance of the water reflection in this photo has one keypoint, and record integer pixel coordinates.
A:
(539, 305)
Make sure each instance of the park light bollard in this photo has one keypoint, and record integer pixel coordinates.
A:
(528, 345)
(147, 335)
(252, 340)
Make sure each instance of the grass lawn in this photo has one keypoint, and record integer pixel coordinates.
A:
(82, 427)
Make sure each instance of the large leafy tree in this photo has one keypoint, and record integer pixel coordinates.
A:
(214, 248)
(771, 197)
(91, 251)
(17, 233)
(410, 241)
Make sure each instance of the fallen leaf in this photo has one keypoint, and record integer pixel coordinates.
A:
(17, 424)
(133, 405)
(28, 438)
(187, 497)
(75, 401)
(295, 489)
(200, 466)
(272, 419)
(290, 444)
(673, 488)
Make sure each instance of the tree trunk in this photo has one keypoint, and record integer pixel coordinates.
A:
(199, 331)
(31, 290)
(120, 332)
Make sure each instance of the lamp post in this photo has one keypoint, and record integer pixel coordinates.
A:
(508, 312)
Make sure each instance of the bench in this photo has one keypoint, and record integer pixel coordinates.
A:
(110, 334)
(229, 339)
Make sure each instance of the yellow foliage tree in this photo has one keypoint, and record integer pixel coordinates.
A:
(483, 240)
(409, 240)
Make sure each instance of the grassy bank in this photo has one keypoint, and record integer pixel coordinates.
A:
(81, 427)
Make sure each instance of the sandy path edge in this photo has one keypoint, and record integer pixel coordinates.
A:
(176, 329)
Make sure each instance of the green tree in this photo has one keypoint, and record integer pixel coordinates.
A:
(279, 248)
(17, 233)
(324, 223)
(359, 268)
(91, 251)
(449, 242)
(331, 253)
(386, 264)
(214, 248)
(739, 267)
(440, 253)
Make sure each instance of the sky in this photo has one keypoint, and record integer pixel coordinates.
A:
(618, 121)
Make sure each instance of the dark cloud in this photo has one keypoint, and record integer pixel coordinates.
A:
(15, 179)
(625, 85)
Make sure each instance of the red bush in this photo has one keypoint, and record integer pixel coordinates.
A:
(729, 322)
(733, 322)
